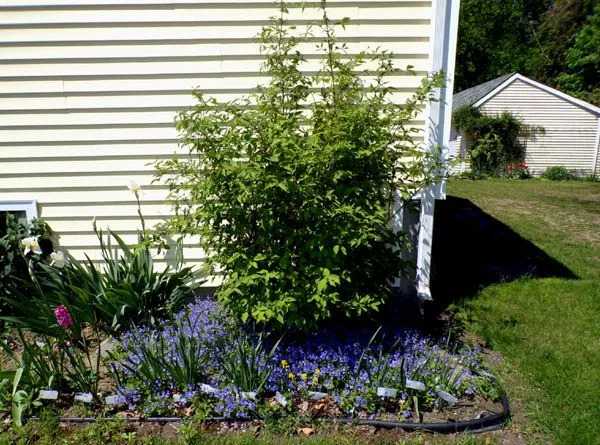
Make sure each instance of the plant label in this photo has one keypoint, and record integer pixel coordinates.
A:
(48, 394)
(387, 392)
(281, 399)
(413, 384)
(447, 397)
(113, 400)
(208, 389)
(84, 397)
(317, 395)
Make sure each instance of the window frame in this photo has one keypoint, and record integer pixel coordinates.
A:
(29, 206)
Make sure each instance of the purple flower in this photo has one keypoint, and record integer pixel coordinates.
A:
(63, 318)
(340, 362)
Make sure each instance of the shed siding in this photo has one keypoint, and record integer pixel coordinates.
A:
(89, 90)
(597, 170)
(570, 131)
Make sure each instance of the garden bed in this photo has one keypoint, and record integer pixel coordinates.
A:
(204, 366)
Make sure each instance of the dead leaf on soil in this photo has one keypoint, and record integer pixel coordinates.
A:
(255, 430)
(303, 407)
(307, 431)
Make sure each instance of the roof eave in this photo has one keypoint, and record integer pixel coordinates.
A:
(578, 102)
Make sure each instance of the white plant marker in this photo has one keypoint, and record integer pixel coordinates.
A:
(249, 395)
(281, 399)
(208, 389)
(413, 384)
(48, 394)
(314, 395)
(387, 392)
(84, 397)
(447, 397)
(113, 400)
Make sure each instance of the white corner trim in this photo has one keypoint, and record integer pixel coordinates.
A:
(578, 102)
(597, 148)
(439, 114)
(442, 58)
(30, 207)
(425, 244)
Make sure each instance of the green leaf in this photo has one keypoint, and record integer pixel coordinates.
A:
(17, 380)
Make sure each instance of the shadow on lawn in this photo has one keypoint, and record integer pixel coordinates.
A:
(472, 250)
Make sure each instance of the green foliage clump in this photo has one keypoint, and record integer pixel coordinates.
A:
(65, 309)
(496, 141)
(291, 189)
(582, 75)
(13, 263)
(557, 173)
(124, 291)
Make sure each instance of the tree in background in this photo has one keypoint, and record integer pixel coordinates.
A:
(495, 37)
(582, 75)
(543, 39)
(557, 31)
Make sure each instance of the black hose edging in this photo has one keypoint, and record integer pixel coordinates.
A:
(487, 423)
(476, 425)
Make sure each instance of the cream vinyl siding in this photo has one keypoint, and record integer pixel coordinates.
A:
(570, 131)
(89, 91)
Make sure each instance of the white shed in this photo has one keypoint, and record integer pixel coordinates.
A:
(89, 90)
(571, 136)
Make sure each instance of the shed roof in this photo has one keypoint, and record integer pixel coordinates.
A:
(472, 95)
(480, 94)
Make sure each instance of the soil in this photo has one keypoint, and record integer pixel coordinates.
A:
(361, 433)
(465, 409)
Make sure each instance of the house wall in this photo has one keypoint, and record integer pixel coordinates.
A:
(570, 131)
(89, 90)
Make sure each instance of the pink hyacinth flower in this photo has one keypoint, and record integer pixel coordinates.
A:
(63, 317)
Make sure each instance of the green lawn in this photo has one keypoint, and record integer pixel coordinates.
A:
(547, 329)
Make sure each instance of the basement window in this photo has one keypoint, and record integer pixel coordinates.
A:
(24, 211)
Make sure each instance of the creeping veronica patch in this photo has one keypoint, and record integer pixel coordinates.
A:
(183, 364)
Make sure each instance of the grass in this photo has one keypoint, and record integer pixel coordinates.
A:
(106, 432)
(547, 329)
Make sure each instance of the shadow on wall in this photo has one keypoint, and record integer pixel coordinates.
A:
(472, 250)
